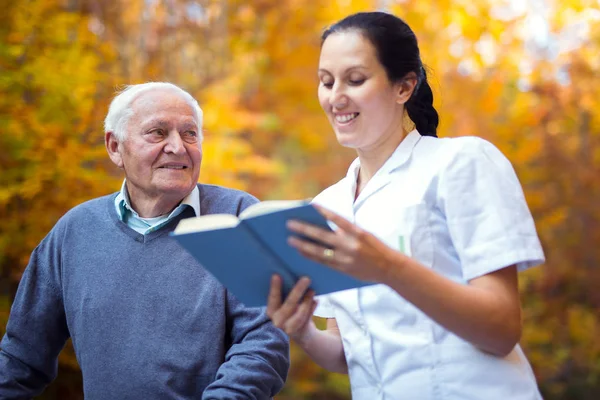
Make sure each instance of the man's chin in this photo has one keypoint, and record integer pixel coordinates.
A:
(176, 190)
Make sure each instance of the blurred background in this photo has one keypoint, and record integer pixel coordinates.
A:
(523, 74)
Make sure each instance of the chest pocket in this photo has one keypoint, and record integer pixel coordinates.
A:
(405, 229)
(408, 229)
(414, 223)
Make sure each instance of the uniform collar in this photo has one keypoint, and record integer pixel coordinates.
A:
(396, 160)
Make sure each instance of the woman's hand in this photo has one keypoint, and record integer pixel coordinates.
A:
(485, 312)
(294, 315)
(349, 249)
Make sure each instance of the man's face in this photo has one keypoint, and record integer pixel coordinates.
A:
(161, 153)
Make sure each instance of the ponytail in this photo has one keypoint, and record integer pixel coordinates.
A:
(420, 107)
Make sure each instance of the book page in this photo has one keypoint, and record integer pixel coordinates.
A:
(206, 223)
(269, 206)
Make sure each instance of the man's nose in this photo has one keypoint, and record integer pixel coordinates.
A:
(174, 143)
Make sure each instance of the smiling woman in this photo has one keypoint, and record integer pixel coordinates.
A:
(440, 225)
(356, 95)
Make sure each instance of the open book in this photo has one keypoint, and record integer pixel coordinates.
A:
(244, 252)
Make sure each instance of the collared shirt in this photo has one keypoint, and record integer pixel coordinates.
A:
(456, 206)
(146, 225)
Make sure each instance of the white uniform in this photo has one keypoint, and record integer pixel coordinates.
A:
(456, 206)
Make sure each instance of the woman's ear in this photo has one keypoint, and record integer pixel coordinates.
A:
(406, 87)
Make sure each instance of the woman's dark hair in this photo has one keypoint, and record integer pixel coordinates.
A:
(397, 50)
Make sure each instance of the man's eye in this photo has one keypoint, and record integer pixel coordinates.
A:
(190, 136)
(158, 132)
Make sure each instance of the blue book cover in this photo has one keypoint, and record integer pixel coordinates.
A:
(244, 253)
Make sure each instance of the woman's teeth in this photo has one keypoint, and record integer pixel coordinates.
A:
(343, 118)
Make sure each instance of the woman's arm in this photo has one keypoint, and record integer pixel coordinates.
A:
(486, 312)
(294, 316)
(325, 347)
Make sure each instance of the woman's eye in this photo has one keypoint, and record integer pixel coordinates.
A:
(328, 85)
(356, 82)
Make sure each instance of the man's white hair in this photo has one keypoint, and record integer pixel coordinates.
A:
(120, 110)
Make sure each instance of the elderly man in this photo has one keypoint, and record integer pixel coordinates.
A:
(146, 320)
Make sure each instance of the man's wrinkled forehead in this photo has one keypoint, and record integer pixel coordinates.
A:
(159, 106)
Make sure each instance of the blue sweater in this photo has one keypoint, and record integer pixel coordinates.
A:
(146, 320)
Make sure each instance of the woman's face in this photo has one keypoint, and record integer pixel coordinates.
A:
(363, 106)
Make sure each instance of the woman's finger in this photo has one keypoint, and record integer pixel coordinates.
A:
(274, 299)
(313, 251)
(297, 321)
(340, 221)
(290, 305)
(313, 232)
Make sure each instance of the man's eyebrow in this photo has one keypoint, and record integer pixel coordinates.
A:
(162, 123)
(190, 125)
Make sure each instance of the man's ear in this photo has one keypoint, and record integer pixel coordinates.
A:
(113, 148)
(406, 87)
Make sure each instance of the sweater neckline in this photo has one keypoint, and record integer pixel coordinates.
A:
(139, 237)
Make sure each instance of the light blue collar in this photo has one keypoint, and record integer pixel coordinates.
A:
(144, 226)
